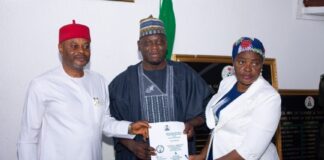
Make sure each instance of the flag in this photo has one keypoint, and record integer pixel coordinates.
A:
(168, 18)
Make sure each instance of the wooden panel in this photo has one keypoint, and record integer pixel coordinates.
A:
(314, 3)
(302, 125)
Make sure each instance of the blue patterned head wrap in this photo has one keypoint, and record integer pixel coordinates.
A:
(248, 44)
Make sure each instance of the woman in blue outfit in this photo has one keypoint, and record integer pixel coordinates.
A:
(245, 112)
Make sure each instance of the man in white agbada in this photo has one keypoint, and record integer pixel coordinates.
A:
(66, 109)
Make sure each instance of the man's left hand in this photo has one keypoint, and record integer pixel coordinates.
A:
(189, 130)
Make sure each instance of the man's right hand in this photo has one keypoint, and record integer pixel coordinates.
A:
(140, 127)
(142, 150)
(196, 157)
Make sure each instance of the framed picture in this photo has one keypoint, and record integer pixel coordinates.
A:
(212, 69)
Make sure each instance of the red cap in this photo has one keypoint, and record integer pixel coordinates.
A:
(74, 31)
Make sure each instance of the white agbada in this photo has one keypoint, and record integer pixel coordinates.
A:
(64, 118)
